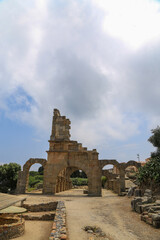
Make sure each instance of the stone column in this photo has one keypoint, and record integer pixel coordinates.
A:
(122, 181)
(21, 182)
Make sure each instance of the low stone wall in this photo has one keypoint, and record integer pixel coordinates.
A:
(41, 217)
(59, 231)
(148, 207)
(41, 207)
(11, 227)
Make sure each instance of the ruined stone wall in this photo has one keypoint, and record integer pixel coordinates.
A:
(64, 154)
(59, 229)
(11, 227)
(60, 127)
(41, 207)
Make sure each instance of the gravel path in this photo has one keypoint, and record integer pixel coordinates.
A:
(111, 213)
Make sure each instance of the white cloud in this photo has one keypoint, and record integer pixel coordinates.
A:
(136, 21)
(74, 56)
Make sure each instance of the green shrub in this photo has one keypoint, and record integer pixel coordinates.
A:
(103, 180)
(149, 174)
(79, 181)
(34, 179)
(39, 177)
(33, 173)
(8, 177)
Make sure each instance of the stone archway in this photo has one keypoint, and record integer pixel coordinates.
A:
(121, 169)
(104, 162)
(63, 181)
(64, 153)
(117, 185)
(87, 162)
(132, 163)
(23, 176)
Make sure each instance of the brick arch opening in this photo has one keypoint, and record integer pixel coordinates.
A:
(28, 165)
(117, 185)
(32, 161)
(23, 177)
(110, 171)
(132, 163)
(63, 181)
(131, 167)
(106, 162)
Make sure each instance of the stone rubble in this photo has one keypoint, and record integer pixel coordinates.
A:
(97, 231)
(148, 207)
(59, 231)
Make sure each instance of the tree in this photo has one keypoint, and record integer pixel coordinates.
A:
(155, 140)
(78, 174)
(8, 177)
(40, 170)
(149, 174)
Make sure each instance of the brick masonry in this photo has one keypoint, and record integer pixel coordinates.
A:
(41, 207)
(59, 231)
(13, 227)
(64, 157)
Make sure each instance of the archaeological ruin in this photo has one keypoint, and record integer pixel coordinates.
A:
(66, 156)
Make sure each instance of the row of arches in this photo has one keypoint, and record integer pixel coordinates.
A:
(63, 181)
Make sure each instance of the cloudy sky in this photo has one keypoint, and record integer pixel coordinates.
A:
(98, 62)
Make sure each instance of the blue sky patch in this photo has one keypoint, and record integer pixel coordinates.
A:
(20, 100)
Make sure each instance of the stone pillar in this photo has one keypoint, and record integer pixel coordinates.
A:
(21, 182)
(94, 182)
(58, 187)
(62, 184)
(64, 187)
(122, 181)
(57, 190)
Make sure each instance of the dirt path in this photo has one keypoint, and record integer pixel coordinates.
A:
(111, 213)
(36, 230)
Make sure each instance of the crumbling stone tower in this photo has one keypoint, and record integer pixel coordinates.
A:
(60, 127)
(64, 157)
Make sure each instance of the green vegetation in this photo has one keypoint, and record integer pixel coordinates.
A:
(79, 178)
(149, 175)
(103, 180)
(79, 181)
(78, 174)
(40, 170)
(8, 177)
(35, 178)
(155, 140)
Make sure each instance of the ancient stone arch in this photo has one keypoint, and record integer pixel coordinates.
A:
(23, 176)
(64, 156)
(132, 163)
(74, 156)
(121, 170)
(104, 162)
(32, 161)
(63, 181)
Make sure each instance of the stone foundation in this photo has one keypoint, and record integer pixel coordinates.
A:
(43, 207)
(11, 227)
(41, 217)
(59, 231)
(148, 207)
